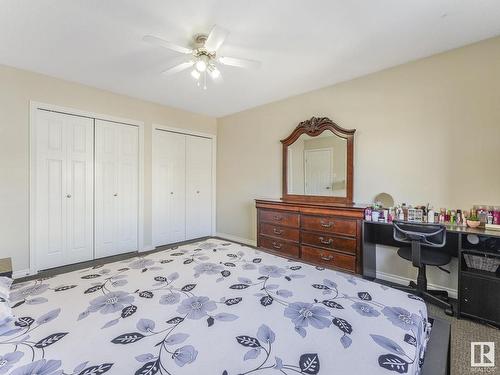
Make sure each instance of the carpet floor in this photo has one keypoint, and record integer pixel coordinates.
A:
(463, 332)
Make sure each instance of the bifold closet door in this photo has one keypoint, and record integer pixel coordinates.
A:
(169, 187)
(198, 187)
(116, 188)
(63, 189)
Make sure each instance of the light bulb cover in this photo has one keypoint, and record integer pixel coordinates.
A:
(214, 73)
(195, 74)
(201, 65)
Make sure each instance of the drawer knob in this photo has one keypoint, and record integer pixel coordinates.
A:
(277, 218)
(277, 245)
(278, 231)
(327, 258)
(322, 240)
(326, 225)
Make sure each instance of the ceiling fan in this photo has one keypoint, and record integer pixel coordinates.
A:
(202, 55)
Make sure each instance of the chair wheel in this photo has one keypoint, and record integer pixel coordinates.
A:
(449, 311)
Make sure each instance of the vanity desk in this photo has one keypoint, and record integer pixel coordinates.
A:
(478, 291)
(315, 220)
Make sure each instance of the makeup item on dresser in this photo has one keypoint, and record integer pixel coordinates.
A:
(430, 216)
(442, 215)
(419, 215)
(453, 217)
(415, 215)
(489, 218)
(459, 219)
(391, 215)
(400, 213)
(386, 215)
(496, 215)
(375, 215)
(482, 213)
(447, 216)
(411, 214)
(405, 211)
(368, 214)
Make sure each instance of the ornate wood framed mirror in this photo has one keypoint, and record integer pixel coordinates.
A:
(318, 162)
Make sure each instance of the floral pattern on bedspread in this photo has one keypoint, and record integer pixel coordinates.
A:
(212, 307)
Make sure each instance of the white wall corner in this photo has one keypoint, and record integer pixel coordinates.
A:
(230, 237)
(405, 281)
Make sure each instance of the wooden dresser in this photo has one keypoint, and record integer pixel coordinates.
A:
(325, 234)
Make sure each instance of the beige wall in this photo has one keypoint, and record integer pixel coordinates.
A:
(427, 132)
(17, 88)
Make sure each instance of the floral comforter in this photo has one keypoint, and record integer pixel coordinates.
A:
(212, 307)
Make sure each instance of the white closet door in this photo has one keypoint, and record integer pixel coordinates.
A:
(63, 189)
(169, 187)
(198, 187)
(116, 188)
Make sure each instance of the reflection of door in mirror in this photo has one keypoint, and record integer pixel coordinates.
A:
(318, 176)
(317, 165)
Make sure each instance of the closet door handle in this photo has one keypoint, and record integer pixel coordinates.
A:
(171, 193)
(68, 195)
(197, 192)
(322, 240)
(115, 194)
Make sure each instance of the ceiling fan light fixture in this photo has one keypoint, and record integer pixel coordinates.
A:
(204, 57)
(195, 74)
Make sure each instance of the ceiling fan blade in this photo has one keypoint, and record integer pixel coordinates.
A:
(165, 44)
(241, 63)
(216, 38)
(178, 68)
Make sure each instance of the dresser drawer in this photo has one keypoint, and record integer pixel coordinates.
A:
(329, 258)
(329, 224)
(287, 248)
(329, 242)
(284, 233)
(284, 218)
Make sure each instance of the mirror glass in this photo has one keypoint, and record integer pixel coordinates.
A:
(318, 165)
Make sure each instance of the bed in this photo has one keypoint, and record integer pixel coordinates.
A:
(212, 307)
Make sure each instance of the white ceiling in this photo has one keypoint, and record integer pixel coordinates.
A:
(303, 45)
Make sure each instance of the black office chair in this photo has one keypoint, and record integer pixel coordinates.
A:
(425, 240)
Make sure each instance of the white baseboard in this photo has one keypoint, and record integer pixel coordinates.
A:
(22, 273)
(230, 237)
(404, 281)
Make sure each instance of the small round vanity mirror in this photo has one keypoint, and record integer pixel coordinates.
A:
(385, 200)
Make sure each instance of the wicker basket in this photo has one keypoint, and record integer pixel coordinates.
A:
(482, 263)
